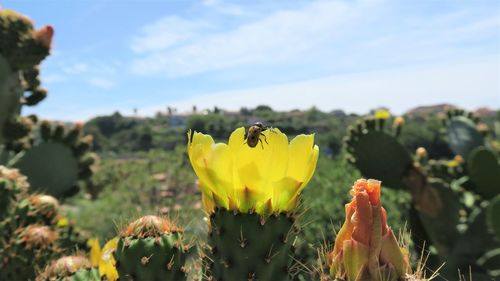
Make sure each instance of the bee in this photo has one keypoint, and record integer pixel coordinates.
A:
(254, 134)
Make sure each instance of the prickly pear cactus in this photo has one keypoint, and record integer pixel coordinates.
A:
(26, 252)
(483, 169)
(462, 132)
(58, 160)
(249, 246)
(12, 184)
(54, 158)
(448, 196)
(368, 140)
(252, 195)
(70, 268)
(151, 248)
(22, 48)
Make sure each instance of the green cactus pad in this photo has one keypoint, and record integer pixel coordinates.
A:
(484, 172)
(151, 248)
(70, 268)
(378, 154)
(51, 168)
(439, 216)
(490, 262)
(493, 216)
(463, 135)
(249, 247)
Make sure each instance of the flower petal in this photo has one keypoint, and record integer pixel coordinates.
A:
(300, 153)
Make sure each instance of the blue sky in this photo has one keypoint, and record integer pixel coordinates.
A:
(354, 54)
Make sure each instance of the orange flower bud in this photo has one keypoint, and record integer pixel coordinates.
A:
(365, 247)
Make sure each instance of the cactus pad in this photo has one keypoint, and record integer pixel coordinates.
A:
(249, 247)
(151, 248)
(377, 153)
(51, 168)
(463, 136)
(59, 159)
(493, 218)
(70, 268)
(484, 172)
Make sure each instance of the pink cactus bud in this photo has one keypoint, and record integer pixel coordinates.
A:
(44, 35)
(365, 247)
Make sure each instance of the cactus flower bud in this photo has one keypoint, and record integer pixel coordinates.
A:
(44, 35)
(365, 247)
(421, 152)
(399, 121)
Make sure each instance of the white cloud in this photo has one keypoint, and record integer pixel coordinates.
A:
(165, 33)
(103, 83)
(338, 35)
(75, 68)
(278, 37)
(53, 78)
(466, 84)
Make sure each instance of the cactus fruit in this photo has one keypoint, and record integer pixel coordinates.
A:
(70, 268)
(12, 183)
(27, 251)
(251, 194)
(365, 247)
(151, 248)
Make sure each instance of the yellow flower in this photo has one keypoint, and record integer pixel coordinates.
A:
(104, 258)
(267, 178)
(382, 114)
(62, 222)
(95, 251)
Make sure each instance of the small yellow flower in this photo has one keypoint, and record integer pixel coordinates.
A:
(62, 222)
(399, 121)
(95, 251)
(103, 258)
(107, 262)
(265, 179)
(382, 114)
(421, 152)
